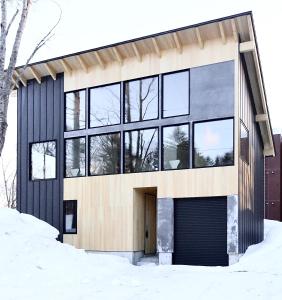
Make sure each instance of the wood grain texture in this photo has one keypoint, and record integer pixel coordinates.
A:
(108, 205)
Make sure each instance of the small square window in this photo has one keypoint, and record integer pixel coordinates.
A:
(244, 143)
(75, 110)
(176, 147)
(43, 160)
(141, 98)
(213, 143)
(176, 94)
(105, 105)
(70, 217)
(75, 157)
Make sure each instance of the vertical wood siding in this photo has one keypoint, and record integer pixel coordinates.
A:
(40, 116)
(251, 176)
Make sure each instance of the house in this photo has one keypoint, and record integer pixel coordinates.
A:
(152, 146)
(273, 179)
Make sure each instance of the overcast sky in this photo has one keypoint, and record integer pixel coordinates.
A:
(88, 24)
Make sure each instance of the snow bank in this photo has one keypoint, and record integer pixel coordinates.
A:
(34, 265)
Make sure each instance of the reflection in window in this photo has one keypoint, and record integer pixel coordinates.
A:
(141, 99)
(43, 160)
(244, 143)
(105, 105)
(70, 216)
(176, 94)
(141, 150)
(105, 154)
(176, 147)
(75, 110)
(213, 143)
(75, 157)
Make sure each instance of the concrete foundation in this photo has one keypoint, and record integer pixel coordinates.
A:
(165, 230)
(132, 256)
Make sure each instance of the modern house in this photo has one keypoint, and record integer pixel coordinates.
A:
(152, 146)
(273, 182)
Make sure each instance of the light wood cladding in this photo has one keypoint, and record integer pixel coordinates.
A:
(170, 60)
(106, 203)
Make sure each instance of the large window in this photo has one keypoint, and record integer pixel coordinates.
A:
(75, 157)
(176, 94)
(213, 143)
(141, 99)
(43, 160)
(105, 105)
(244, 143)
(104, 154)
(70, 216)
(141, 150)
(176, 147)
(75, 110)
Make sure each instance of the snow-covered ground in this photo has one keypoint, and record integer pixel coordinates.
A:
(33, 265)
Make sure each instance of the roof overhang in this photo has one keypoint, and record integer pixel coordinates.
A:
(239, 27)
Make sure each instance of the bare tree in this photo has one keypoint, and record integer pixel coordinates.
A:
(8, 189)
(8, 63)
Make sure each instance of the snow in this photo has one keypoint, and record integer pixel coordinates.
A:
(36, 266)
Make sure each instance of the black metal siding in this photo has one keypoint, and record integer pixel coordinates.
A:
(40, 118)
(251, 176)
(200, 231)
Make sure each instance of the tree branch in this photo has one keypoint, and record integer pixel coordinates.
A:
(12, 21)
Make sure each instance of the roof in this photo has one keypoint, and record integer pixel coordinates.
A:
(239, 26)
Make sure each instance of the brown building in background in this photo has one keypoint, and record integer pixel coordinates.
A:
(273, 187)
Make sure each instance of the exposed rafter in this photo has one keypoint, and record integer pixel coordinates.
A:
(137, 52)
(222, 32)
(157, 47)
(247, 46)
(35, 74)
(177, 42)
(51, 71)
(66, 66)
(261, 118)
(234, 30)
(199, 37)
(100, 60)
(82, 63)
(15, 84)
(117, 55)
(20, 77)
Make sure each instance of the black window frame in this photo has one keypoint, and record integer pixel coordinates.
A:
(158, 101)
(65, 109)
(85, 146)
(162, 146)
(89, 158)
(248, 135)
(193, 142)
(120, 103)
(64, 217)
(123, 154)
(30, 161)
(162, 93)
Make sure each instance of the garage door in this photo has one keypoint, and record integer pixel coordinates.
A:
(200, 231)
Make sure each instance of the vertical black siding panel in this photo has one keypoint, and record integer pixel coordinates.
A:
(30, 139)
(19, 143)
(40, 118)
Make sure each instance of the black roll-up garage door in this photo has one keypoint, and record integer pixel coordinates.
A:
(200, 231)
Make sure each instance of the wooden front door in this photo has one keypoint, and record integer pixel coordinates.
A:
(150, 224)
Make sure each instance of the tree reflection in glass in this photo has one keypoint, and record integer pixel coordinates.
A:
(176, 147)
(75, 110)
(141, 150)
(105, 154)
(105, 105)
(213, 143)
(141, 99)
(43, 160)
(75, 157)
